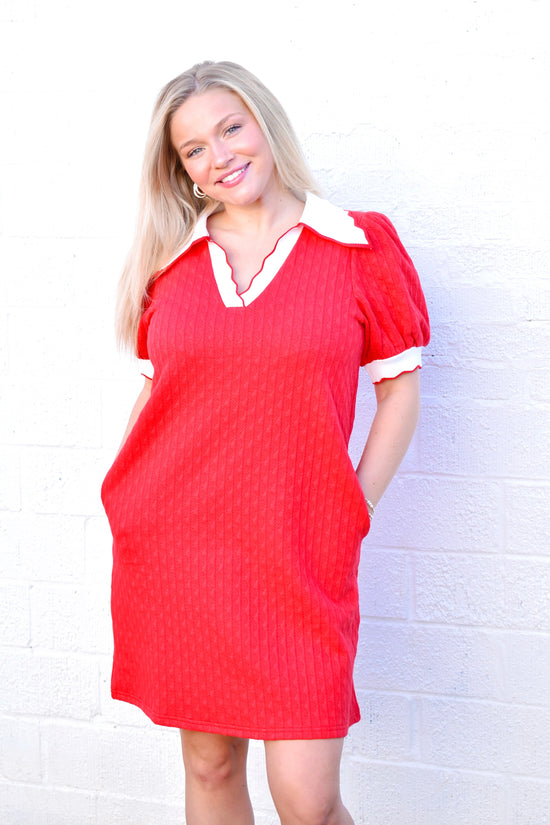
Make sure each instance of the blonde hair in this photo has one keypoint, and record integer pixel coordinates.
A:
(168, 208)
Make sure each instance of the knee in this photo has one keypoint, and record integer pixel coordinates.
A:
(213, 764)
(210, 771)
(305, 809)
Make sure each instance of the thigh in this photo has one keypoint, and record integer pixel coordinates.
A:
(304, 775)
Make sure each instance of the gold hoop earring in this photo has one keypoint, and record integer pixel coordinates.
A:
(198, 192)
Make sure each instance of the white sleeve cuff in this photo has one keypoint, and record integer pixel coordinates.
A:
(406, 361)
(146, 368)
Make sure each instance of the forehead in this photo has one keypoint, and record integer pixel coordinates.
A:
(205, 110)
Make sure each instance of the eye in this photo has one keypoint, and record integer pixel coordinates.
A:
(193, 152)
(232, 129)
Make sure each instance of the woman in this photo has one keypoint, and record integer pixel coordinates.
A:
(236, 513)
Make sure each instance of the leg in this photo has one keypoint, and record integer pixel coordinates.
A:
(216, 791)
(304, 779)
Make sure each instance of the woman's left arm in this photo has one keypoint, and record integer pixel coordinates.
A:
(393, 426)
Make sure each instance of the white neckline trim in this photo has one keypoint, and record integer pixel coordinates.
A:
(332, 222)
(320, 215)
(223, 272)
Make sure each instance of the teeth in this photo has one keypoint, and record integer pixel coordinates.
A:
(231, 177)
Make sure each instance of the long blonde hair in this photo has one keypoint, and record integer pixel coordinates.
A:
(168, 208)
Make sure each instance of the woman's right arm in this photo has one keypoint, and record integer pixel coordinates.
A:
(141, 401)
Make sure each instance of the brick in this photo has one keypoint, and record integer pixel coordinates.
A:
(4, 354)
(384, 584)
(262, 818)
(36, 217)
(140, 763)
(486, 736)
(62, 481)
(520, 347)
(530, 801)
(113, 711)
(31, 805)
(484, 304)
(19, 11)
(495, 382)
(98, 548)
(71, 618)
(384, 732)
(482, 590)
(455, 224)
(42, 547)
(14, 614)
(35, 410)
(528, 669)
(20, 752)
(117, 399)
(91, 344)
(381, 147)
(258, 785)
(529, 534)
(483, 441)
(424, 795)
(462, 518)
(116, 810)
(49, 684)
(538, 386)
(73, 272)
(10, 479)
(484, 263)
(539, 297)
(421, 659)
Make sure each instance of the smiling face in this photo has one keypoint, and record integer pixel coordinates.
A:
(223, 149)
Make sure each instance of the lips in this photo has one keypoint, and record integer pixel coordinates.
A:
(234, 176)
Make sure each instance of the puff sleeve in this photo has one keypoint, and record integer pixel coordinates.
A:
(390, 301)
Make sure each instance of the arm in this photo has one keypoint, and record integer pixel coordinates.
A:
(395, 420)
(141, 401)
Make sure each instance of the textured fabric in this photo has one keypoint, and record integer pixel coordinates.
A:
(236, 513)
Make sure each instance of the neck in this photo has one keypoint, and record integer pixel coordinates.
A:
(262, 216)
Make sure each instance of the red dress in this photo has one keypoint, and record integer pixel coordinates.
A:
(236, 513)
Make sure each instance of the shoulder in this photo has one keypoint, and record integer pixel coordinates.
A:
(348, 227)
(388, 253)
(378, 228)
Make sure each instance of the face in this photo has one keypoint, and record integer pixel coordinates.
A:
(222, 148)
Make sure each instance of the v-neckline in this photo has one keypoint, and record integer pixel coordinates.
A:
(271, 266)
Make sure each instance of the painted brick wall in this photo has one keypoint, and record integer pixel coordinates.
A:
(433, 112)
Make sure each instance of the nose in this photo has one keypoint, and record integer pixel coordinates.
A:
(221, 154)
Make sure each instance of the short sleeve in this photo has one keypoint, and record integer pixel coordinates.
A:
(142, 348)
(390, 301)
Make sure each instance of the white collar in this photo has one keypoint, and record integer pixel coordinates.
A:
(332, 222)
(319, 215)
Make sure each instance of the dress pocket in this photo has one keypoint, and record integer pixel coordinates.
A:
(122, 496)
(364, 515)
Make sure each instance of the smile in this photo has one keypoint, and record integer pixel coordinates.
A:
(234, 176)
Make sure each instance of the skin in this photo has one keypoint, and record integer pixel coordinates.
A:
(215, 136)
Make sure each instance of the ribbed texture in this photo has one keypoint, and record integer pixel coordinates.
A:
(236, 513)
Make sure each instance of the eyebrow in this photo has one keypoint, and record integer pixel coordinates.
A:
(217, 126)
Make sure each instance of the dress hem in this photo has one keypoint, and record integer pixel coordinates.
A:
(266, 734)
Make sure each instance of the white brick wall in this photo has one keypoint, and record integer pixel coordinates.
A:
(433, 112)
